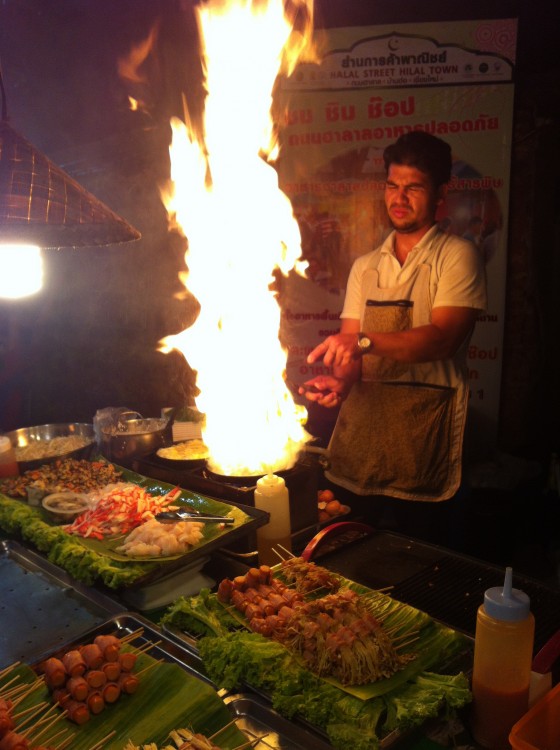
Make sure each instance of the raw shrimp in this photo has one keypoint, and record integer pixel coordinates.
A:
(154, 539)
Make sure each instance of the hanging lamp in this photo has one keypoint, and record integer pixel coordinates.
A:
(41, 204)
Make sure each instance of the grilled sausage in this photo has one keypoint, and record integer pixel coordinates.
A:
(92, 655)
(95, 678)
(127, 660)
(74, 663)
(77, 712)
(109, 645)
(112, 670)
(55, 673)
(13, 741)
(78, 688)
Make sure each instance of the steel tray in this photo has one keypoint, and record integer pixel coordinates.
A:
(42, 606)
(461, 662)
(158, 568)
(264, 727)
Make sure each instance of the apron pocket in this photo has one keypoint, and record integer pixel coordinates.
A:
(393, 438)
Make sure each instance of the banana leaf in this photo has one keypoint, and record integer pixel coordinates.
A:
(433, 644)
(167, 698)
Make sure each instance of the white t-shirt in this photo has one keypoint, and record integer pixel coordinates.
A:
(457, 277)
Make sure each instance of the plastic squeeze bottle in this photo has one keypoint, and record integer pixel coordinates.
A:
(503, 653)
(271, 495)
(8, 463)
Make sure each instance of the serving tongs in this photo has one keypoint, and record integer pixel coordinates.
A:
(172, 516)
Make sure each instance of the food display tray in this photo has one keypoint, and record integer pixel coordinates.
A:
(42, 606)
(264, 727)
(152, 569)
(397, 738)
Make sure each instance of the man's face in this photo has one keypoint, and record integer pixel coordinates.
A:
(410, 199)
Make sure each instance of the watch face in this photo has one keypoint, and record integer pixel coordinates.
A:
(364, 343)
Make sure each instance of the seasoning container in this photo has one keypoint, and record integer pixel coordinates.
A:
(503, 652)
(8, 463)
(271, 495)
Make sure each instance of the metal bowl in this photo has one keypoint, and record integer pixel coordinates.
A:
(43, 434)
(133, 438)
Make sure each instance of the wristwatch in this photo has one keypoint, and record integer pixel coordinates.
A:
(365, 344)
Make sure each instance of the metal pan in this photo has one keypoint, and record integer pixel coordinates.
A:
(43, 434)
(241, 480)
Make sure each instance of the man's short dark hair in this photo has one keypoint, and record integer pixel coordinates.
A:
(423, 151)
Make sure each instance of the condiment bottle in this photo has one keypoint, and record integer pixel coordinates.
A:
(271, 495)
(503, 652)
(8, 463)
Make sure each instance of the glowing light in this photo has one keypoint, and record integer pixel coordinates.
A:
(21, 270)
(224, 197)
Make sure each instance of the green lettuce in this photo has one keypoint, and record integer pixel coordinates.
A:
(25, 522)
(423, 699)
(199, 615)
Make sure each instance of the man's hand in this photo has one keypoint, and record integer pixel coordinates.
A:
(326, 390)
(336, 351)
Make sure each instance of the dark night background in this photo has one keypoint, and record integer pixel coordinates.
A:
(89, 339)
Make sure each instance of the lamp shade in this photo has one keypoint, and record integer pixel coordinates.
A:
(42, 205)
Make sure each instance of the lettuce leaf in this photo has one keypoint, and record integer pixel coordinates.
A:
(412, 704)
(199, 615)
(21, 520)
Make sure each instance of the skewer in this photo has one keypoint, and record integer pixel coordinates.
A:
(283, 559)
(409, 634)
(222, 729)
(50, 722)
(52, 709)
(137, 674)
(395, 629)
(39, 682)
(147, 647)
(7, 670)
(287, 551)
(45, 729)
(131, 636)
(33, 709)
(103, 740)
(66, 743)
(14, 679)
(251, 743)
(64, 730)
(384, 589)
(407, 643)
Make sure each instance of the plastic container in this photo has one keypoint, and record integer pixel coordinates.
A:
(271, 495)
(8, 463)
(539, 728)
(503, 652)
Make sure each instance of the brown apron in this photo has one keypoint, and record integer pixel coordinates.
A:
(400, 431)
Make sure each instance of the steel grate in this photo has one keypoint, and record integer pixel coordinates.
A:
(451, 589)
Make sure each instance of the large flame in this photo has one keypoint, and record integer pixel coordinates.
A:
(224, 197)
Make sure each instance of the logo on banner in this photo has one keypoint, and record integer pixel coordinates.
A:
(399, 60)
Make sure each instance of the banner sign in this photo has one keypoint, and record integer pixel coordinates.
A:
(454, 80)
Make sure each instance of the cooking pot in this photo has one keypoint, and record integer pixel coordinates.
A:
(133, 435)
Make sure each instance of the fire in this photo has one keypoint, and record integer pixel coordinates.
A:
(224, 197)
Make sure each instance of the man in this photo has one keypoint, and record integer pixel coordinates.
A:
(399, 361)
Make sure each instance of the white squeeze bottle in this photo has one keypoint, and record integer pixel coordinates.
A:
(503, 653)
(271, 495)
